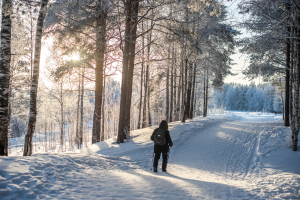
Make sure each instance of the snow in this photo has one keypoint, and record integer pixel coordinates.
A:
(236, 155)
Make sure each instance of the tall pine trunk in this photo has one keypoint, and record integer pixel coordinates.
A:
(149, 107)
(204, 95)
(184, 93)
(35, 80)
(189, 91)
(296, 116)
(147, 90)
(131, 11)
(167, 87)
(180, 91)
(177, 116)
(287, 76)
(175, 87)
(172, 87)
(100, 52)
(193, 93)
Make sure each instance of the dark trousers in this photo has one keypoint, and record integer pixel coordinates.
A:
(165, 160)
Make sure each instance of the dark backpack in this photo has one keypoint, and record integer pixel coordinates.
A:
(160, 137)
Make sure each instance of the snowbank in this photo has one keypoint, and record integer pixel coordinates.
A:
(253, 116)
(212, 158)
(140, 139)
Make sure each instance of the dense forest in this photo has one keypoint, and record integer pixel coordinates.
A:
(255, 98)
(67, 58)
(77, 72)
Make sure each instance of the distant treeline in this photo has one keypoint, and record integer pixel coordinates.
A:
(263, 97)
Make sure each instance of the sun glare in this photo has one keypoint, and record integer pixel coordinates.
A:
(74, 56)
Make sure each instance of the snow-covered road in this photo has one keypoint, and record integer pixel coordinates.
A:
(218, 158)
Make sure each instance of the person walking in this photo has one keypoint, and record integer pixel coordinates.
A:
(162, 141)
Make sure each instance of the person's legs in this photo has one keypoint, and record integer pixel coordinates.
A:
(156, 158)
(165, 161)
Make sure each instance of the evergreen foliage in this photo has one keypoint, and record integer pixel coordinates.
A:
(251, 97)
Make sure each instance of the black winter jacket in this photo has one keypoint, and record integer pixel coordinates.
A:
(162, 148)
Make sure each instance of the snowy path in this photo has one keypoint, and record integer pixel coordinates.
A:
(216, 159)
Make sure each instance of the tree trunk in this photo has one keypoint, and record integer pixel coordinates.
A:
(193, 93)
(5, 78)
(287, 76)
(291, 84)
(103, 110)
(81, 108)
(144, 123)
(35, 80)
(296, 95)
(184, 95)
(167, 91)
(77, 114)
(142, 74)
(149, 107)
(131, 11)
(100, 52)
(179, 88)
(168, 86)
(189, 91)
(172, 87)
(281, 96)
(204, 96)
(175, 88)
(61, 118)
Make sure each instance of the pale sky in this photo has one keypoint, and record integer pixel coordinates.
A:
(242, 61)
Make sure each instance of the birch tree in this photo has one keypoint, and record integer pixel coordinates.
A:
(35, 79)
(5, 74)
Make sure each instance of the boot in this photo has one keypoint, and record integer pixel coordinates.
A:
(154, 169)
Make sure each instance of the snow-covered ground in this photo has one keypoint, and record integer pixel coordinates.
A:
(237, 155)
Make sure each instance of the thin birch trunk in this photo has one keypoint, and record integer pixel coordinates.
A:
(81, 108)
(35, 80)
(77, 114)
(5, 75)
(62, 124)
(103, 109)
(144, 123)
(142, 75)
